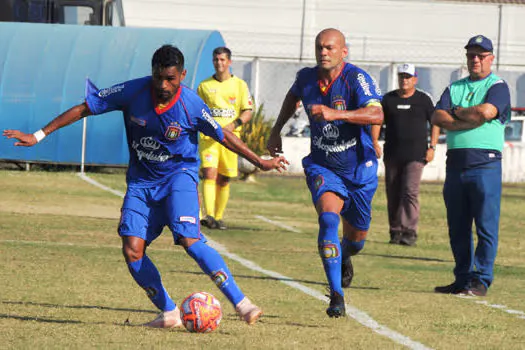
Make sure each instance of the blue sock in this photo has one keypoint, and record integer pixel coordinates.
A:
(148, 277)
(351, 248)
(214, 266)
(330, 249)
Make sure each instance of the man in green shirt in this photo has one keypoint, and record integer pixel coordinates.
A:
(474, 110)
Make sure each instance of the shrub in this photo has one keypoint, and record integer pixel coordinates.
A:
(256, 132)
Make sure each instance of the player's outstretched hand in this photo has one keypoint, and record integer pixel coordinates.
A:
(278, 163)
(24, 139)
(275, 144)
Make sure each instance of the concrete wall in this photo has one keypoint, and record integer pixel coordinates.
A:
(295, 148)
(377, 30)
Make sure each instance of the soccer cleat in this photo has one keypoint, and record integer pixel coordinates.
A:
(221, 225)
(209, 222)
(337, 305)
(248, 311)
(166, 319)
(451, 289)
(477, 288)
(347, 273)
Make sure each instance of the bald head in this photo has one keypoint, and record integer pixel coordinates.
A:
(333, 33)
(330, 49)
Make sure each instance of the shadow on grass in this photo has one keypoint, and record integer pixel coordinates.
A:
(271, 279)
(30, 303)
(404, 257)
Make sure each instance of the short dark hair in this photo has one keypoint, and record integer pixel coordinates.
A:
(168, 56)
(222, 49)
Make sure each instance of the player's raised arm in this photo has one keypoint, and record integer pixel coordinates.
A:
(275, 144)
(68, 117)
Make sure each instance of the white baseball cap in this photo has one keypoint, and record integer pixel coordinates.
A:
(407, 68)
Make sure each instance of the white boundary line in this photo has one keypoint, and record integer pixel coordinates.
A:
(351, 311)
(517, 313)
(277, 223)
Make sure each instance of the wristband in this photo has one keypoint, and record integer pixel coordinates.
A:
(39, 135)
(237, 122)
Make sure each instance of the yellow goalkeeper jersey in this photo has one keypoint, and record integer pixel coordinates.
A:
(226, 99)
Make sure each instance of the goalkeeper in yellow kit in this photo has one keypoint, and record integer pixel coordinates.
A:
(231, 105)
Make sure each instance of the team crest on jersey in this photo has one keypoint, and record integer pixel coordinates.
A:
(329, 251)
(339, 103)
(232, 100)
(219, 278)
(319, 181)
(173, 131)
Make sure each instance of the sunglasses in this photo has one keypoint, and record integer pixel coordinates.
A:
(481, 57)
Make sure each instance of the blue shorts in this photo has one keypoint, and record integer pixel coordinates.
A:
(175, 204)
(357, 208)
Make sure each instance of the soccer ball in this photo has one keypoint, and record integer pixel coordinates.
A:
(201, 312)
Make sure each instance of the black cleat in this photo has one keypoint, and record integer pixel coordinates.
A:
(451, 289)
(209, 222)
(347, 273)
(221, 225)
(337, 306)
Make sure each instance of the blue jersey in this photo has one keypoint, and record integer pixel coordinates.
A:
(161, 141)
(344, 148)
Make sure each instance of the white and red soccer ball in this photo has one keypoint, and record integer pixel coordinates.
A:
(201, 312)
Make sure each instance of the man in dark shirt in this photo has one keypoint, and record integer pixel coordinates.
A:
(407, 114)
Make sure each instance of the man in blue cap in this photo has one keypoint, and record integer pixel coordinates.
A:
(474, 110)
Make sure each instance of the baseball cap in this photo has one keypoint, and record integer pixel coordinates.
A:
(481, 41)
(407, 68)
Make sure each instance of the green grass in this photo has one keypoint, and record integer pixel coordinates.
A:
(64, 283)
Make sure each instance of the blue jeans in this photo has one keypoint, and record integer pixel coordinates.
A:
(473, 195)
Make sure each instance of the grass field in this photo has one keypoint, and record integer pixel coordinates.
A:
(64, 283)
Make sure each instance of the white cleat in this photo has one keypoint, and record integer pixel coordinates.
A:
(248, 311)
(166, 319)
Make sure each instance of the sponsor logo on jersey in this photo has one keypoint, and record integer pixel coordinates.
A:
(219, 278)
(209, 119)
(173, 132)
(223, 112)
(138, 121)
(364, 84)
(111, 90)
(329, 251)
(232, 100)
(339, 103)
(189, 219)
(333, 148)
(469, 96)
(319, 181)
(149, 143)
(149, 154)
(331, 131)
(403, 106)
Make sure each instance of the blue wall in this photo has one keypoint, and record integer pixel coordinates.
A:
(43, 68)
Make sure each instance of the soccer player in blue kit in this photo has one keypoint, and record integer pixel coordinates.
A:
(342, 101)
(162, 120)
